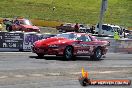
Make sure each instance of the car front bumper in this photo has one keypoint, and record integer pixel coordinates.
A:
(48, 51)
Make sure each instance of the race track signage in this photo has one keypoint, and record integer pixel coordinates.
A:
(29, 39)
(11, 40)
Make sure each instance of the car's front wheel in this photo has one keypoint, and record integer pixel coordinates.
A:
(68, 53)
(97, 54)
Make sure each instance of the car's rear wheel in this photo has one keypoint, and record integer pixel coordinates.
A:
(97, 54)
(40, 55)
(68, 53)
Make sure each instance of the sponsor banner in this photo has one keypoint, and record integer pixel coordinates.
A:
(29, 39)
(11, 40)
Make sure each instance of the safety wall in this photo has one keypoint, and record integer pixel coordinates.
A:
(124, 45)
(19, 41)
(112, 43)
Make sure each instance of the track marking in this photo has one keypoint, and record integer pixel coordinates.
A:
(37, 75)
(75, 73)
(108, 72)
(60, 74)
(19, 76)
(2, 77)
(54, 74)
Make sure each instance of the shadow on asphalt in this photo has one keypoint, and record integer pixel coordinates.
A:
(59, 58)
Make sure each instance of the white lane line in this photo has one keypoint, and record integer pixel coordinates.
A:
(93, 72)
(59, 74)
(54, 74)
(19, 76)
(108, 72)
(37, 75)
(75, 73)
(2, 77)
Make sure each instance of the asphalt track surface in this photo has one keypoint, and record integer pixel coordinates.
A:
(26, 70)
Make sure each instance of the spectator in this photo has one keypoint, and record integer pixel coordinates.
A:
(8, 24)
(116, 35)
(76, 27)
(16, 21)
(92, 29)
(124, 33)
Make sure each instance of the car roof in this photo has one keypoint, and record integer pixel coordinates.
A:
(77, 33)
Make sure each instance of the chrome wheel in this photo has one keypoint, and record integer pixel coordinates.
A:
(98, 53)
(68, 53)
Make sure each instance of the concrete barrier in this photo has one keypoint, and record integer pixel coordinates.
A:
(19, 41)
(124, 45)
(112, 43)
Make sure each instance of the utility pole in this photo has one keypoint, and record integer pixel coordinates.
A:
(102, 10)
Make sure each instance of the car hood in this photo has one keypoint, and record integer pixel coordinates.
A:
(30, 26)
(53, 40)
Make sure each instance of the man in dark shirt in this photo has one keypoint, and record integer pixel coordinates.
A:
(76, 27)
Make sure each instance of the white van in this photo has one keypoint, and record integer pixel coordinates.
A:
(108, 29)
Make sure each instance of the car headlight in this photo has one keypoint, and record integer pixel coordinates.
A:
(53, 46)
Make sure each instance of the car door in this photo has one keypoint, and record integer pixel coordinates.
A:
(84, 45)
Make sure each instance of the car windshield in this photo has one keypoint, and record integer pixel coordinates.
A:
(68, 36)
(25, 22)
(73, 36)
(116, 28)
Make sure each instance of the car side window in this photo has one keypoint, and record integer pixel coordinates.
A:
(88, 39)
(84, 38)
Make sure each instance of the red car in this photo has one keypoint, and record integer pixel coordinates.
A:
(24, 25)
(70, 45)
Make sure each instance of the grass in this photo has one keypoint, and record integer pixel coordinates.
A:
(81, 11)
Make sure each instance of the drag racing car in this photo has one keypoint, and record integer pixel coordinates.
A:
(70, 45)
(22, 24)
